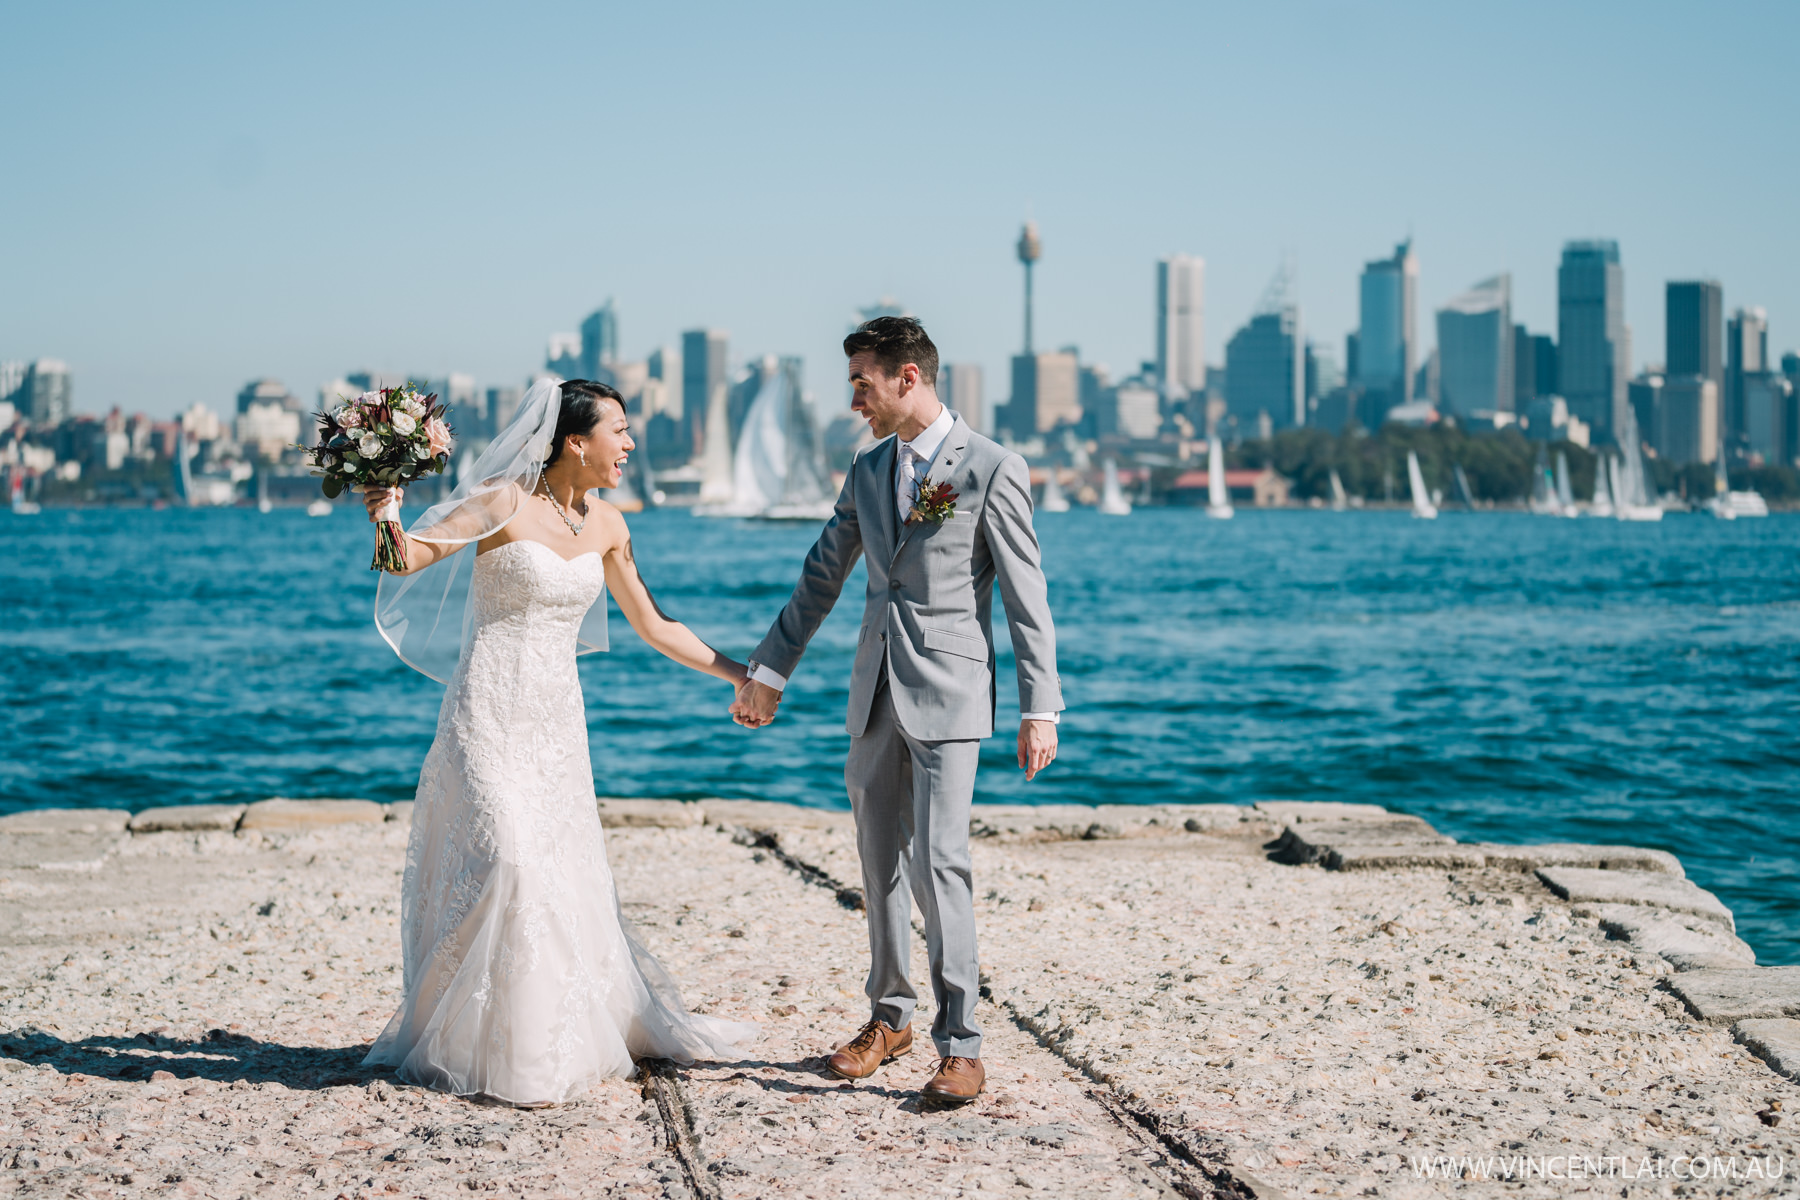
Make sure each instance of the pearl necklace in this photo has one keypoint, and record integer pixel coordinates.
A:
(561, 512)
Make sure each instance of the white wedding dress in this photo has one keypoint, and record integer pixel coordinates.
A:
(523, 979)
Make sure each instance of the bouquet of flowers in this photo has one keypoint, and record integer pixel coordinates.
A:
(382, 439)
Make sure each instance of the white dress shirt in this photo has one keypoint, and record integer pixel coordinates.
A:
(921, 450)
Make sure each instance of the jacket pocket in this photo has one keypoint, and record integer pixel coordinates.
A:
(954, 643)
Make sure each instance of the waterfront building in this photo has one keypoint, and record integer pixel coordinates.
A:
(1593, 344)
(703, 359)
(1644, 394)
(1180, 312)
(1767, 432)
(374, 381)
(1385, 353)
(1687, 420)
(1746, 353)
(47, 393)
(1046, 392)
(1136, 409)
(563, 357)
(266, 427)
(12, 385)
(1694, 329)
(1322, 374)
(599, 342)
(959, 386)
(202, 424)
(1265, 372)
(1475, 350)
(1534, 367)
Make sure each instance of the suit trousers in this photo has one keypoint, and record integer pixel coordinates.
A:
(911, 800)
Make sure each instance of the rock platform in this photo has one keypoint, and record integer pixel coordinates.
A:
(1284, 999)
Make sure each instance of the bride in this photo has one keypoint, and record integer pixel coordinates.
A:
(523, 981)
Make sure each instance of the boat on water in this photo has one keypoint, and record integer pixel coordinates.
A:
(777, 472)
(1054, 501)
(1422, 506)
(1218, 500)
(1728, 505)
(1112, 498)
(1339, 501)
(1463, 493)
(21, 507)
(1632, 493)
(1543, 501)
(1565, 495)
(1601, 505)
(319, 508)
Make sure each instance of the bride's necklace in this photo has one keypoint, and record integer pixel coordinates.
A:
(563, 513)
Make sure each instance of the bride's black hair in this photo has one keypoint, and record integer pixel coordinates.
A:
(581, 404)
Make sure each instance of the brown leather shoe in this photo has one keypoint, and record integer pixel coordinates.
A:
(863, 1055)
(958, 1080)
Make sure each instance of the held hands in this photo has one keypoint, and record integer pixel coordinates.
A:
(1037, 746)
(755, 704)
(378, 498)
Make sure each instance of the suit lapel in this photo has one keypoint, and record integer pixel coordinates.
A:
(948, 455)
(882, 464)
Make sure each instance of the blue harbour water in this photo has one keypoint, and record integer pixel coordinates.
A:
(1508, 678)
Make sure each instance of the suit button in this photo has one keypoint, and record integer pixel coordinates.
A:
(894, 584)
(884, 637)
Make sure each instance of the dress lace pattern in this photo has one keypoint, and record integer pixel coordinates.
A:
(523, 980)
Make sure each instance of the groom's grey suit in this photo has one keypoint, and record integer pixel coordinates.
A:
(922, 696)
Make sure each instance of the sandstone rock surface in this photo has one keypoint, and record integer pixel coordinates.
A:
(310, 814)
(184, 818)
(66, 820)
(1726, 995)
(1775, 1040)
(1581, 885)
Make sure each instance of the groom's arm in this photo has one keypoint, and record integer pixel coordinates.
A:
(828, 564)
(1018, 568)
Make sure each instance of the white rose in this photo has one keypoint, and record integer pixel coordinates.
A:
(421, 452)
(413, 407)
(404, 424)
(370, 445)
(369, 398)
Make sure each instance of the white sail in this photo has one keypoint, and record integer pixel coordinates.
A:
(1565, 495)
(1415, 480)
(1339, 501)
(1054, 500)
(1218, 500)
(1602, 505)
(717, 482)
(1632, 500)
(1112, 499)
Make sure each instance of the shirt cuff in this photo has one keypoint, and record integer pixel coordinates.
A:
(762, 674)
(1053, 718)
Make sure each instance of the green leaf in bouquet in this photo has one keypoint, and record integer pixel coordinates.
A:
(332, 487)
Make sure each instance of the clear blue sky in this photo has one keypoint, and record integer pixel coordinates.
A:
(196, 195)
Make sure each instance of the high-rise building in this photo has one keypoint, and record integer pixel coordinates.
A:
(563, 357)
(959, 387)
(1265, 371)
(502, 406)
(1593, 344)
(47, 393)
(1746, 353)
(1767, 433)
(1644, 394)
(1694, 332)
(1534, 367)
(1386, 345)
(1180, 311)
(703, 355)
(1687, 420)
(1136, 410)
(599, 342)
(1045, 393)
(664, 366)
(1475, 350)
(1322, 374)
(12, 384)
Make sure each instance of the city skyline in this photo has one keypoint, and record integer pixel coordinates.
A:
(175, 245)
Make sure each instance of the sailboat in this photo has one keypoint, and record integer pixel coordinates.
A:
(1462, 487)
(1422, 506)
(263, 504)
(1218, 500)
(1543, 487)
(1728, 505)
(21, 507)
(1112, 500)
(1601, 505)
(1631, 490)
(1054, 500)
(717, 485)
(1565, 496)
(1339, 501)
(320, 507)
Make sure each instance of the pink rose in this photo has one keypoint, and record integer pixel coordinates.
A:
(437, 434)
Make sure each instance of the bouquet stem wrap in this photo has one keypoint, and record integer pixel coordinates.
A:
(390, 542)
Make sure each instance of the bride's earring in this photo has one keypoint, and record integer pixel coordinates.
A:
(582, 454)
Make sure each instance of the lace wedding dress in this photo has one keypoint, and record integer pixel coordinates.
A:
(523, 980)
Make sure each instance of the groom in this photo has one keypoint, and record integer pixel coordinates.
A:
(941, 514)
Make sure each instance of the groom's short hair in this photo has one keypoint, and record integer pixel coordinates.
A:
(896, 341)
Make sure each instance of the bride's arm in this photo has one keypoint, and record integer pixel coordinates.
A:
(419, 555)
(664, 634)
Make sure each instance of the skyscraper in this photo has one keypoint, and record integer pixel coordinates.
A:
(1687, 424)
(959, 387)
(1746, 354)
(1180, 308)
(1593, 345)
(1695, 331)
(47, 393)
(703, 354)
(563, 355)
(1534, 367)
(1265, 371)
(1386, 345)
(599, 341)
(1475, 350)
(1045, 393)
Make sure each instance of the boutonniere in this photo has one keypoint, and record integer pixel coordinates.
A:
(936, 503)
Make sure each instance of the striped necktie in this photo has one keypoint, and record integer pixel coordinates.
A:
(906, 482)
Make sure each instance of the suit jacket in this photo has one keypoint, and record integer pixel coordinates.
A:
(927, 615)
